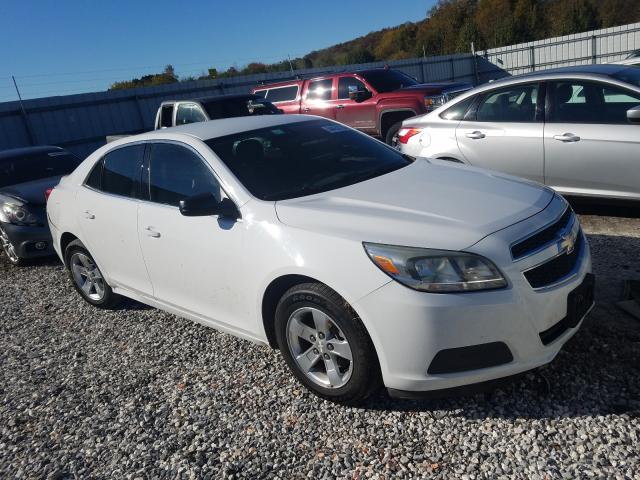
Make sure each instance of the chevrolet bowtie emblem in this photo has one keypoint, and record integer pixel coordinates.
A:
(567, 243)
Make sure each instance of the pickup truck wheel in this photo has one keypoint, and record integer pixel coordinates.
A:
(391, 138)
(325, 344)
(87, 278)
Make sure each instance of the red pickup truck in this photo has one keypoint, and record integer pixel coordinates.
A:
(375, 101)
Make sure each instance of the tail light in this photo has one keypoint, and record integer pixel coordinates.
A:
(404, 134)
(47, 194)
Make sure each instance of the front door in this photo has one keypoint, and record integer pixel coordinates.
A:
(505, 132)
(190, 259)
(107, 206)
(590, 147)
(360, 115)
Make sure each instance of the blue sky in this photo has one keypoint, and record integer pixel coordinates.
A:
(71, 46)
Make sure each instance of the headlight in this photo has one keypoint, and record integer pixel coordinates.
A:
(18, 214)
(437, 271)
(434, 101)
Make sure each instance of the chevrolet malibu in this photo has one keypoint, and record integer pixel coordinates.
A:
(359, 264)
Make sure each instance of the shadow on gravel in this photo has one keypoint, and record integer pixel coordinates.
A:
(604, 208)
(596, 373)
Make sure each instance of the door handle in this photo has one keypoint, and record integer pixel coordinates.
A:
(151, 232)
(476, 135)
(339, 107)
(88, 215)
(567, 137)
(306, 109)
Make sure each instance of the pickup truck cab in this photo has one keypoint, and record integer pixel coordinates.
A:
(181, 112)
(374, 101)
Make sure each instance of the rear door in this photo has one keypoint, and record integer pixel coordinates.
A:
(319, 98)
(107, 206)
(590, 147)
(360, 115)
(504, 131)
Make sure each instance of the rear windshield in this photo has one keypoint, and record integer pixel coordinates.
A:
(26, 168)
(239, 107)
(388, 80)
(630, 75)
(302, 158)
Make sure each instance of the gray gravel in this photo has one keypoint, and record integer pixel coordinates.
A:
(139, 393)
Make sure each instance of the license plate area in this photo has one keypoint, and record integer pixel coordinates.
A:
(580, 300)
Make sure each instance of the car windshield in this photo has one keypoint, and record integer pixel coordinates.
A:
(630, 75)
(239, 107)
(302, 158)
(388, 80)
(29, 167)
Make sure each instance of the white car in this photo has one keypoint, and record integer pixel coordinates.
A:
(358, 263)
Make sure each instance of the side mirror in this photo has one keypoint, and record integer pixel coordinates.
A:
(633, 115)
(205, 205)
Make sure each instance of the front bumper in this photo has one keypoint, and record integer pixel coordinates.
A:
(29, 241)
(413, 331)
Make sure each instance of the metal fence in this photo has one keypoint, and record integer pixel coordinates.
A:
(81, 122)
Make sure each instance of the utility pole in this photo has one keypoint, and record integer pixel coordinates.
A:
(475, 63)
(291, 65)
(25, 118)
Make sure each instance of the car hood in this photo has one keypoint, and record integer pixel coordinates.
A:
(30, 192)
(422, 205)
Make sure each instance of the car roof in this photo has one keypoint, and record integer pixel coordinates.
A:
(215, 98)
(26, 151)
(606, 69)
(227, 126)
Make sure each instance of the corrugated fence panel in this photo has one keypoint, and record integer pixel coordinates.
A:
(81, 122)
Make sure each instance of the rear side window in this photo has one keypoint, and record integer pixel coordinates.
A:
(458, 111)
(121, 170)
(512, 104)
(319, 90)
(189, 113)
(177, 173)
(281, 94)
(94, 180)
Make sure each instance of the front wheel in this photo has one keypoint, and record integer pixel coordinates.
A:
(87, 277)
(325, 344)
(391, 138)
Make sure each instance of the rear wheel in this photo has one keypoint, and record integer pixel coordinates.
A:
(325, 344)
(9, 249)
(87, 277)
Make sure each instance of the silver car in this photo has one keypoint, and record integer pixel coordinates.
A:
(575, 129)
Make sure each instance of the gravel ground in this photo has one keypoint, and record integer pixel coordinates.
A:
(139, 393)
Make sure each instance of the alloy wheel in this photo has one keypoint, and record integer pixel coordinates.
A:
(319, 347)
(87, 276)
(8, 247)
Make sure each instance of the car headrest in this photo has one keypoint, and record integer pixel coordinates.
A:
(249, 150)
(564, 92)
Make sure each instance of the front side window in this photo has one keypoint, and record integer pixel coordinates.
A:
(282, 94)
(512, 104)
(177, 173)
(349, 84)
(166, 116)
(189, 113)
(121, 170)
(320, 90)
(29, 167)
(302, 158)
(590, 102)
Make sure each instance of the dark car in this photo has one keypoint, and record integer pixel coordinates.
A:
(182, 112)
(27, 175)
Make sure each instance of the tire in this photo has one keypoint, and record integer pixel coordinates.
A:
(391, 137)
(81, 266)
(314, 320)
(9, 250)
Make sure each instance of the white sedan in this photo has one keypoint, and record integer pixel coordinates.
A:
(361, 265)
